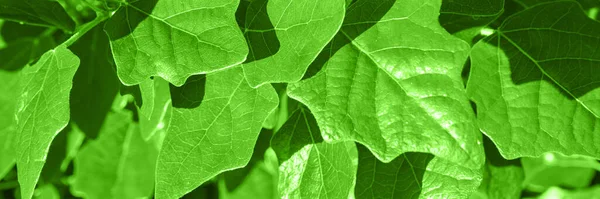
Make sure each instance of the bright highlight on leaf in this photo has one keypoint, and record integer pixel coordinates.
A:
(486, 31)
(367, 92)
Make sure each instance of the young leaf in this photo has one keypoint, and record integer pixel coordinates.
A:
(396, 87)
(309, 167)
(534, 82)
(302, 28)
(175, 40)
(8, 129)
(42, 112)
(216, 135)
(119, 164)
(37, 12)
(413, 175)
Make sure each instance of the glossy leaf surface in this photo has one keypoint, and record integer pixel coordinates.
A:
(369, 93)
(131, 173)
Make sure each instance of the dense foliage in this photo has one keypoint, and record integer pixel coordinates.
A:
(299, 99)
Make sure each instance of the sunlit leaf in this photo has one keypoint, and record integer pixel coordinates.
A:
(42, 111)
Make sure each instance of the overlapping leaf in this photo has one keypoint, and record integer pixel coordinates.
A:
(214, 135)
(500, 182)
(557, 192)
(174, 39)
(42, 111)
(502, 178)
(286, 36)
(534, 82)
(413, 175)
(130, 171)
(309, 167)
(395, 87)
(260, 182)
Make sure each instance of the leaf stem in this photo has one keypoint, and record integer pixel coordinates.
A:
(84, 29)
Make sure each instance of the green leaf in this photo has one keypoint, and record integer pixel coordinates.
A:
(558, 170)
(309, 167)
(75, 139)
(216, 135)
(47, 191)
(500, 181)
(24, 44)
(586, 4)
(119, 164)
(281, 113)
(175, 40)
(51, 172)
(392, 93)
(557, 192)
(43, 111)
(457, 15)
(37, 12)
(235, 180)
(261, 181)
(413, 175)
(533, 82)
(8, 124)
(590, 6)
(286, 36)
(155, 112)
(502, 178)
(95, 84)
